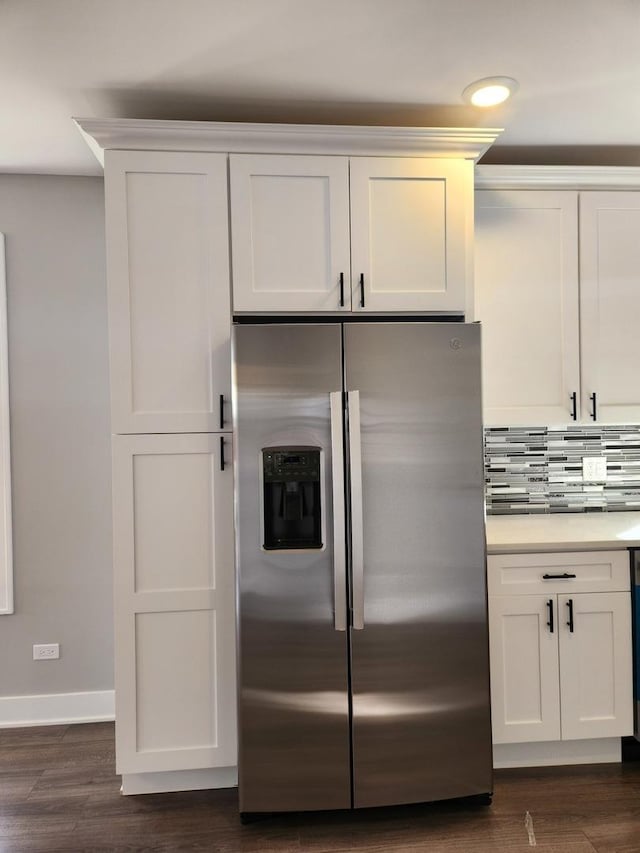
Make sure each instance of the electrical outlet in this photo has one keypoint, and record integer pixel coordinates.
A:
(46, 651)
(594, 468)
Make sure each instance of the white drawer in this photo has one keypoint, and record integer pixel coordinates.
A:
(588, 571)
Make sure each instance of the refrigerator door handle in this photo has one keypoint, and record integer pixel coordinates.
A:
(339, 546)
(357, 539)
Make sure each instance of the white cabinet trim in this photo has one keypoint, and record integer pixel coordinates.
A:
(242, 137)
(6, 548)
(557, 177)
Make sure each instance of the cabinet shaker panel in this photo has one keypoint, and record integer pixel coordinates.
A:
(610, 305)
(174, 603)
(524, 669)
(526, 292)
(169, 290)
(411, 226)
(290, 233)
(595, 665)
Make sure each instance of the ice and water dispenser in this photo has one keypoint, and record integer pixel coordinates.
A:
(291, 498)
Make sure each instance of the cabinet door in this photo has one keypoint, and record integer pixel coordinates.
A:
(526, 293)
(411, 226)
(169, 290)
(174, 603)
(525, 702)
(595, 666)
(610, 304)
(290, 233)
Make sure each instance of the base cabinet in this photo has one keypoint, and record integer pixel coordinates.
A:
(174, 603)
(560, 661)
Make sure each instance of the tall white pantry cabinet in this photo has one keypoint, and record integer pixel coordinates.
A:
(204, 219)
(170, 326)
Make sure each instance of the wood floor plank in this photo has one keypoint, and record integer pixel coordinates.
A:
(32, 757)
(15, 787)
(88, 732)
(32, 735)
(59, 794)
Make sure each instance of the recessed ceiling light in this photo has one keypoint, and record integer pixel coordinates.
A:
(490, 91)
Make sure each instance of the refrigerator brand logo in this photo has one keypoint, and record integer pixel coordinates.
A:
(455, 343)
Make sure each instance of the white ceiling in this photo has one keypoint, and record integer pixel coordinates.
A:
(331, 61)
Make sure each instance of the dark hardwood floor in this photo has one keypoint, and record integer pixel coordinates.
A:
(59, 792)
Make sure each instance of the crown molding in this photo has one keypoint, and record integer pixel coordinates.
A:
(557, 177)
(241, 137)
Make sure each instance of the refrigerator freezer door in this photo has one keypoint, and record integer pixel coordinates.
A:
(420, 670)
(293, 679)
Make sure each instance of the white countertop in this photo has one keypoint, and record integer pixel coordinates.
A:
(562, 532)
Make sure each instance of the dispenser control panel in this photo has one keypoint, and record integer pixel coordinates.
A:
(290, 465)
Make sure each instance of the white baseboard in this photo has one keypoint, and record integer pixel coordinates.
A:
(555, 753)
(179, 780)
(53, 709)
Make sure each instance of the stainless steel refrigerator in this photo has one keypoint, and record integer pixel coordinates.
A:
(362, 617)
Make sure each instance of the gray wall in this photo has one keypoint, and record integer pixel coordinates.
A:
(60, 443)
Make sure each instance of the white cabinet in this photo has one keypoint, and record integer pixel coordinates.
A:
(169, 291)
(170, 351)
(560, 646)
(525, 686)
(388, 234)
(290, 233)
(175, 611)
(557, 289)
(595, 665)
(527, 298)
(610, 304)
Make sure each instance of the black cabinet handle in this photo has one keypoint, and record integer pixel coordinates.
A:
(570, 622)
(550, 622)
(221, 411)
(362, 290)
(592, 397)
(342, 290)
(561, 577)
(221, 453)
(574, 406)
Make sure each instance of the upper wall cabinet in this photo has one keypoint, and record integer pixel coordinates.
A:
(557, 289)
(169, 291)
(411, 233)
(526, 277)
(386, 234)
(290, 233)
(610, 305)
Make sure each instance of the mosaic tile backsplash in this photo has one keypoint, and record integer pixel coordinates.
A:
(539, 469)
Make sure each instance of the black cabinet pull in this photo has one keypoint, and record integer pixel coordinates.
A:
(570, 622)
(592, 397)
(342, 290)
(550, 622)
(362, 290)
(221, 411)
(561, 577)
(221, 453)
(574, 406)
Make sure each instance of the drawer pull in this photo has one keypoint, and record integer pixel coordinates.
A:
(562, 577)
(550, 622)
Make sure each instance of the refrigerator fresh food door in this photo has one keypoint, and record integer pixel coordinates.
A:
(420, 668)
(293, 679)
